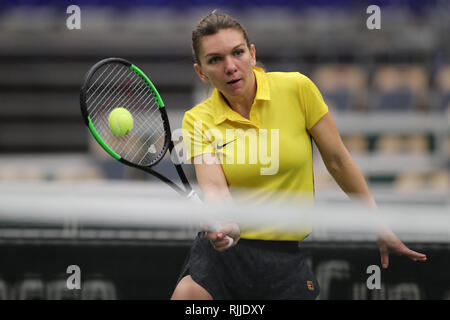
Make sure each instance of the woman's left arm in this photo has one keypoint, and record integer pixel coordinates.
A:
(345, 172)
(338, 160)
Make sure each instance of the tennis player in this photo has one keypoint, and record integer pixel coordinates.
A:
(266, 263)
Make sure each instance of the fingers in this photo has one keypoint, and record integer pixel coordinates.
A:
(411, 254)
(215, 236)
(219, 240)
(415, 256)
(211, 236)
(223, 244)
(384, 254)
(388, 242)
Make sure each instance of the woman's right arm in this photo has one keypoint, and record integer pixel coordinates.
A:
(211, 178)
(212, 182)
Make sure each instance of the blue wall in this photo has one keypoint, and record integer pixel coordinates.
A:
(183, 4)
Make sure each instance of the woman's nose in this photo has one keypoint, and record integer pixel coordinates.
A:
(230, 66)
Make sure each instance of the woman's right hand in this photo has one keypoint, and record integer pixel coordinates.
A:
(219, 239)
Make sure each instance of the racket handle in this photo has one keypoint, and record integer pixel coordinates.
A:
(195, 198)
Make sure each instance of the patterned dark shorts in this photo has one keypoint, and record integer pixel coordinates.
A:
(253, 269)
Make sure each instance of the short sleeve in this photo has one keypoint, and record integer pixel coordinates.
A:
(195, 140)
(313, 104)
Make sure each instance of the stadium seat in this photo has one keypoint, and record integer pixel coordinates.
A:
(446, 151)
(389, 144)
(70, 173)
(439, 181)
(409, 182)
(416, 144)
(399, 88)
(343, 86)
(442, 84)
(17, 173)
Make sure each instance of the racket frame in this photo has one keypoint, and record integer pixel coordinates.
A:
(168, 143)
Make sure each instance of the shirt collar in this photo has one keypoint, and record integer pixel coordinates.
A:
(222, 111)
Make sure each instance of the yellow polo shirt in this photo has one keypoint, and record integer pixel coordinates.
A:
(269, 156)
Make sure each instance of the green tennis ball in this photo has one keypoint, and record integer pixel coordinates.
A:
(120, 121)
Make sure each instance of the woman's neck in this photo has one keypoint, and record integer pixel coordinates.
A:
(243, 103)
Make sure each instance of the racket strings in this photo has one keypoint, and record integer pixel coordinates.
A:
(101, 84)
(106, 95)
(115, 85)
(136, 147)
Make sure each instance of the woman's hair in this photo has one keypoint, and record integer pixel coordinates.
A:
(211, 24)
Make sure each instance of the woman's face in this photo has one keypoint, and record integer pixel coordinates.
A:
(226, 62)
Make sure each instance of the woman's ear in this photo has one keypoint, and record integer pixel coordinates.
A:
(253, 54)
(200, 73)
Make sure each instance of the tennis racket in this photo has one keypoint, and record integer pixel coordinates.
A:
(117, 83)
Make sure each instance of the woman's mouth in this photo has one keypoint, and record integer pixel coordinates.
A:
(233, 82)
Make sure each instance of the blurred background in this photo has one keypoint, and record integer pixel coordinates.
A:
(388, 90)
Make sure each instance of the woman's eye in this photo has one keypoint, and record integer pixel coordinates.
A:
(238, 52)
(214, 60)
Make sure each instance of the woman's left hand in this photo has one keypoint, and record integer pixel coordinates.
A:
(389, 243)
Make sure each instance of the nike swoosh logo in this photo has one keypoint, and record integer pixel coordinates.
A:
(220, 147)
